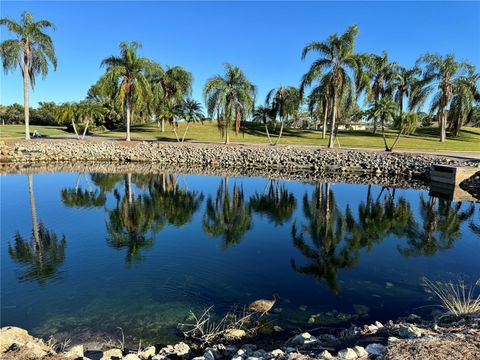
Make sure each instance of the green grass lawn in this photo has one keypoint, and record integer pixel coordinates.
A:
(423, 139)
(18, 131)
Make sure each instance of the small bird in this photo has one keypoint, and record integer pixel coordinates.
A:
(263, 306)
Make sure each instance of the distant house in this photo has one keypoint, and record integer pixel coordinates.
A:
(348, 126)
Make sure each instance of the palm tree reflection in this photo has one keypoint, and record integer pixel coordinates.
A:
(228, 216)
(277, 203)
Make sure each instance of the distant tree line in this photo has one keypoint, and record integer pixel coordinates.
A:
(137, 90)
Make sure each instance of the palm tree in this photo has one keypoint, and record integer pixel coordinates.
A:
(79, 198)
(264, 115)
(380, 75)
(319, 101)
(229, 98)
(404, 81)
(337, 57)
(31, 51)
(465, 94)
(129, 74)
(439, 78)
(277, 203)
(191, 111)
(170, 88)
(284, 102)
(89, 111)
(228, 216)
(385, 110)
(68, 112)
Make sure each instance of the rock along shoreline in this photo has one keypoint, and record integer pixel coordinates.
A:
(408, 338)
(284, 158)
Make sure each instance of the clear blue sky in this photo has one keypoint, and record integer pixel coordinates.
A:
(263, 38)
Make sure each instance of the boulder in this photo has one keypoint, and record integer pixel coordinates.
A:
(131, 357)
(347, 354)
(147, 353)
(325, 355)
(181, 349)
(409, 331)
(75, 352)
(360, 351)
(112, 354)
(375, 349)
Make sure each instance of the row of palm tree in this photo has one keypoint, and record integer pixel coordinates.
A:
(135, 86)
(330, 238)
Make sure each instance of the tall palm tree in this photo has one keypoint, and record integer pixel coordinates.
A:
(439, 77)
(31, 51)
(337, 57)
(229, 98)
(264, 115)
(380, 74)
(404, 81)
(386, 110)
(284, 102)
(228, 216)
(129, 74)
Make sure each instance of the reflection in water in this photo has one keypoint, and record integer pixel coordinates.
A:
(77, 197)
(363, 229)
(330, 248)
(277, 203)
(227, 216)
(42, 253)
(133, 222)
(441, 227)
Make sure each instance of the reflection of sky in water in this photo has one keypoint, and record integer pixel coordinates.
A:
(95, 289)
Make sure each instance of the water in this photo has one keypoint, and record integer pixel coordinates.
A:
(83, 254)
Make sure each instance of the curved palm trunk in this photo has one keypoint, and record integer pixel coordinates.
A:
(175, 132)
(268, 134)
(85, 130)
(75, 129)
(280, 133)
(25, 97)
(185, 132)
(383, 135)
(332, 124)
(396, 139)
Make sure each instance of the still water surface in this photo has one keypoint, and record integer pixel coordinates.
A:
(87, 253)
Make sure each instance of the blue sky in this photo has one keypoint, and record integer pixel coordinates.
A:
(263, 38)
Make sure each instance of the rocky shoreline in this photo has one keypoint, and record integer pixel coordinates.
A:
(407, 338)
(281, 159)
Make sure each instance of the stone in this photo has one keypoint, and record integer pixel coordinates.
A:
(375, 349)
(347, 354)
(229, 350)
(198, 358)
(112, 354)
(235, 333)
(181, 349)
(11, 336)
(259, 353)
(75, 352)
(393, 339)
(147, 353)
(325, 355)
(378, 324)
(248, 348)
(372, 328)
(303, 339)
(35, 350)
(360, 351)
(409, 331)
(131, 357)
(208, 355)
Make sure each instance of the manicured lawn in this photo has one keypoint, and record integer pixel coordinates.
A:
(18, 131)
(423, 139)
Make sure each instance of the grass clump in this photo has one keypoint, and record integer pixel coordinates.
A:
(456, 299)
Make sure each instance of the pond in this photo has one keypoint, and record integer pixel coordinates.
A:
(85, 253)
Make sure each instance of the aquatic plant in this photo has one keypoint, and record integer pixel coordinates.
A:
(457, 299)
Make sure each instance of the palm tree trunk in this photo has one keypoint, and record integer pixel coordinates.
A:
(75, 129)
(163, 124)
(185, 132)
(85, 130)
(268, 134)
(227, 133)
(396, 140)
(25, 98)
(324, 126)
(128, 119)
(332, 124)
(442, 126)
(383, 135)
(175, 132)
(128, 189)
(33, 208)
(280, 133)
